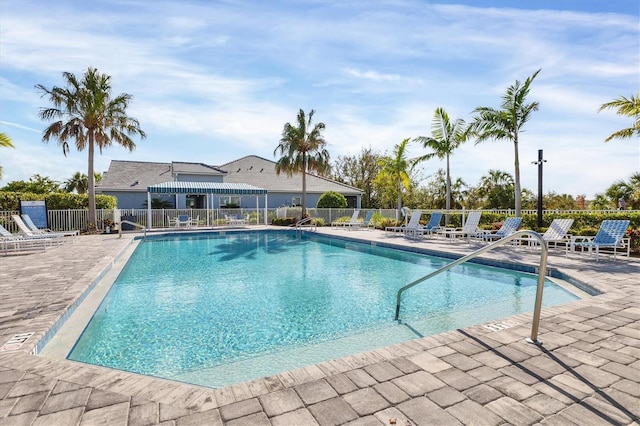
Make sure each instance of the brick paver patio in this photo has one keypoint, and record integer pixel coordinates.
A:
(586, 372)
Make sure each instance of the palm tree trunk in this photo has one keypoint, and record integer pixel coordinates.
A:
(518, 191)
(399, 199)
(448, 194)
(304, 189)
(92, 219)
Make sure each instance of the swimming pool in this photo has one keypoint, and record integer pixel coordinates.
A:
(214, 309)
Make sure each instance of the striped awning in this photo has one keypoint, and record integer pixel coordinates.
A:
(205, 188)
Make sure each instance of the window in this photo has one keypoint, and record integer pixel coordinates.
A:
(230, 201)
(296, 202)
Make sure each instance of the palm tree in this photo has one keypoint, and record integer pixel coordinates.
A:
(506, 124)
(397, 168)
(5, 141)
(496, 187)
(302, 149)
(445, 138)
(78, 182)
(628, 108)
(86, 112)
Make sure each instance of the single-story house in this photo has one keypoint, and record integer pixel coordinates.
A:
(129, 182)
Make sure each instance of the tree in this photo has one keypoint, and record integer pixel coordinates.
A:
(629, 190)
(436, 192)
(85, 112)
(628, 108)
(37, 184)
(5, 141)
(397, 169)
(332, 199)
(360, 171)
(506, 124)
(446, 137)
(78, 182)
(496, 188)
(302, 149)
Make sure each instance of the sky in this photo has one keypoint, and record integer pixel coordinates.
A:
(214, 81)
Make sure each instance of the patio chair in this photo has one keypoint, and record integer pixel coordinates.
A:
(351, 222)
(610, 237)
(432, 226)
(468, 231)
(413, 224)
(367, 223)
(183, 219)
(21, 242)
(45, 231)
(556, 233)
(24, 229)
(509, 226)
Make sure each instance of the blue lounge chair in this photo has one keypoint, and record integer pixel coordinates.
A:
(509, 226)
(611, 235)
(429, 228)
(37, 231)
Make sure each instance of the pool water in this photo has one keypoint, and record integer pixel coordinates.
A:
(213, 309)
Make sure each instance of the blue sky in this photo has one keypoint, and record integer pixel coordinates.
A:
(214, 81)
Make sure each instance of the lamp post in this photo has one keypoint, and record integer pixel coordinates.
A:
(540, 162)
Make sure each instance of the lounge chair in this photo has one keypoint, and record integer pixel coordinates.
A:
(413, 224)
(429, 228)
(558, 232)
(44, 231)
(351, 222)
(24, 230)
(611, 236)
(20, 242)
(509, 226)
(367, 223)
(468, 231)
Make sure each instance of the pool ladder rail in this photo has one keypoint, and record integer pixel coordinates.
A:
(542, 272)
(306, 222)
(137, 225)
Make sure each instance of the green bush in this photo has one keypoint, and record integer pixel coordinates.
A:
(56, 200)
(285, 221)
(332, 199)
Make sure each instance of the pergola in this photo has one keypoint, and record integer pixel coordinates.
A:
(208, 188)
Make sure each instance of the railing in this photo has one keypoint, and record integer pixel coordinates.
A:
(137, 225)
(305, 222)
(542, 270)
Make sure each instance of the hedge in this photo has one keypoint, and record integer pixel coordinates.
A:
(56, 200)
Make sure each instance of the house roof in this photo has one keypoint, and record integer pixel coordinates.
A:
(134, 175)
(205, 188)
(137, 176)
(180, 167)
(261, 172)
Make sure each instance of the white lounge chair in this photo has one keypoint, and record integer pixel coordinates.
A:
(45, 231)
(413, 224)
(21, 242)
(24, 230)
(351, 222)
(611, 236)
(468, 231)
(558, 232)
(509, 226)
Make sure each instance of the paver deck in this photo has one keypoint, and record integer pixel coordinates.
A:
(586, 372)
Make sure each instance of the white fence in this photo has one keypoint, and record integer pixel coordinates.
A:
(67, 220)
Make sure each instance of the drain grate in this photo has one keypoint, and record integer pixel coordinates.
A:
(15, 342)
(497, 326)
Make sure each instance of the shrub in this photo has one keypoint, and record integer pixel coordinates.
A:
(285, 221)
(56, 200)
(332, 199)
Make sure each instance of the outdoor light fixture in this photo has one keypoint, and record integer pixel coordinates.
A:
(540, 162)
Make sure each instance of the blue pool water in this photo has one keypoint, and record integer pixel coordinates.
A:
(214, 309)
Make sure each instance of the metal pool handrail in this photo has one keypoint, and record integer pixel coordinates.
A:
(542, 271)
(307, 220)
(137, 225)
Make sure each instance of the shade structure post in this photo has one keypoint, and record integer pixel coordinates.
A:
(148, 210)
